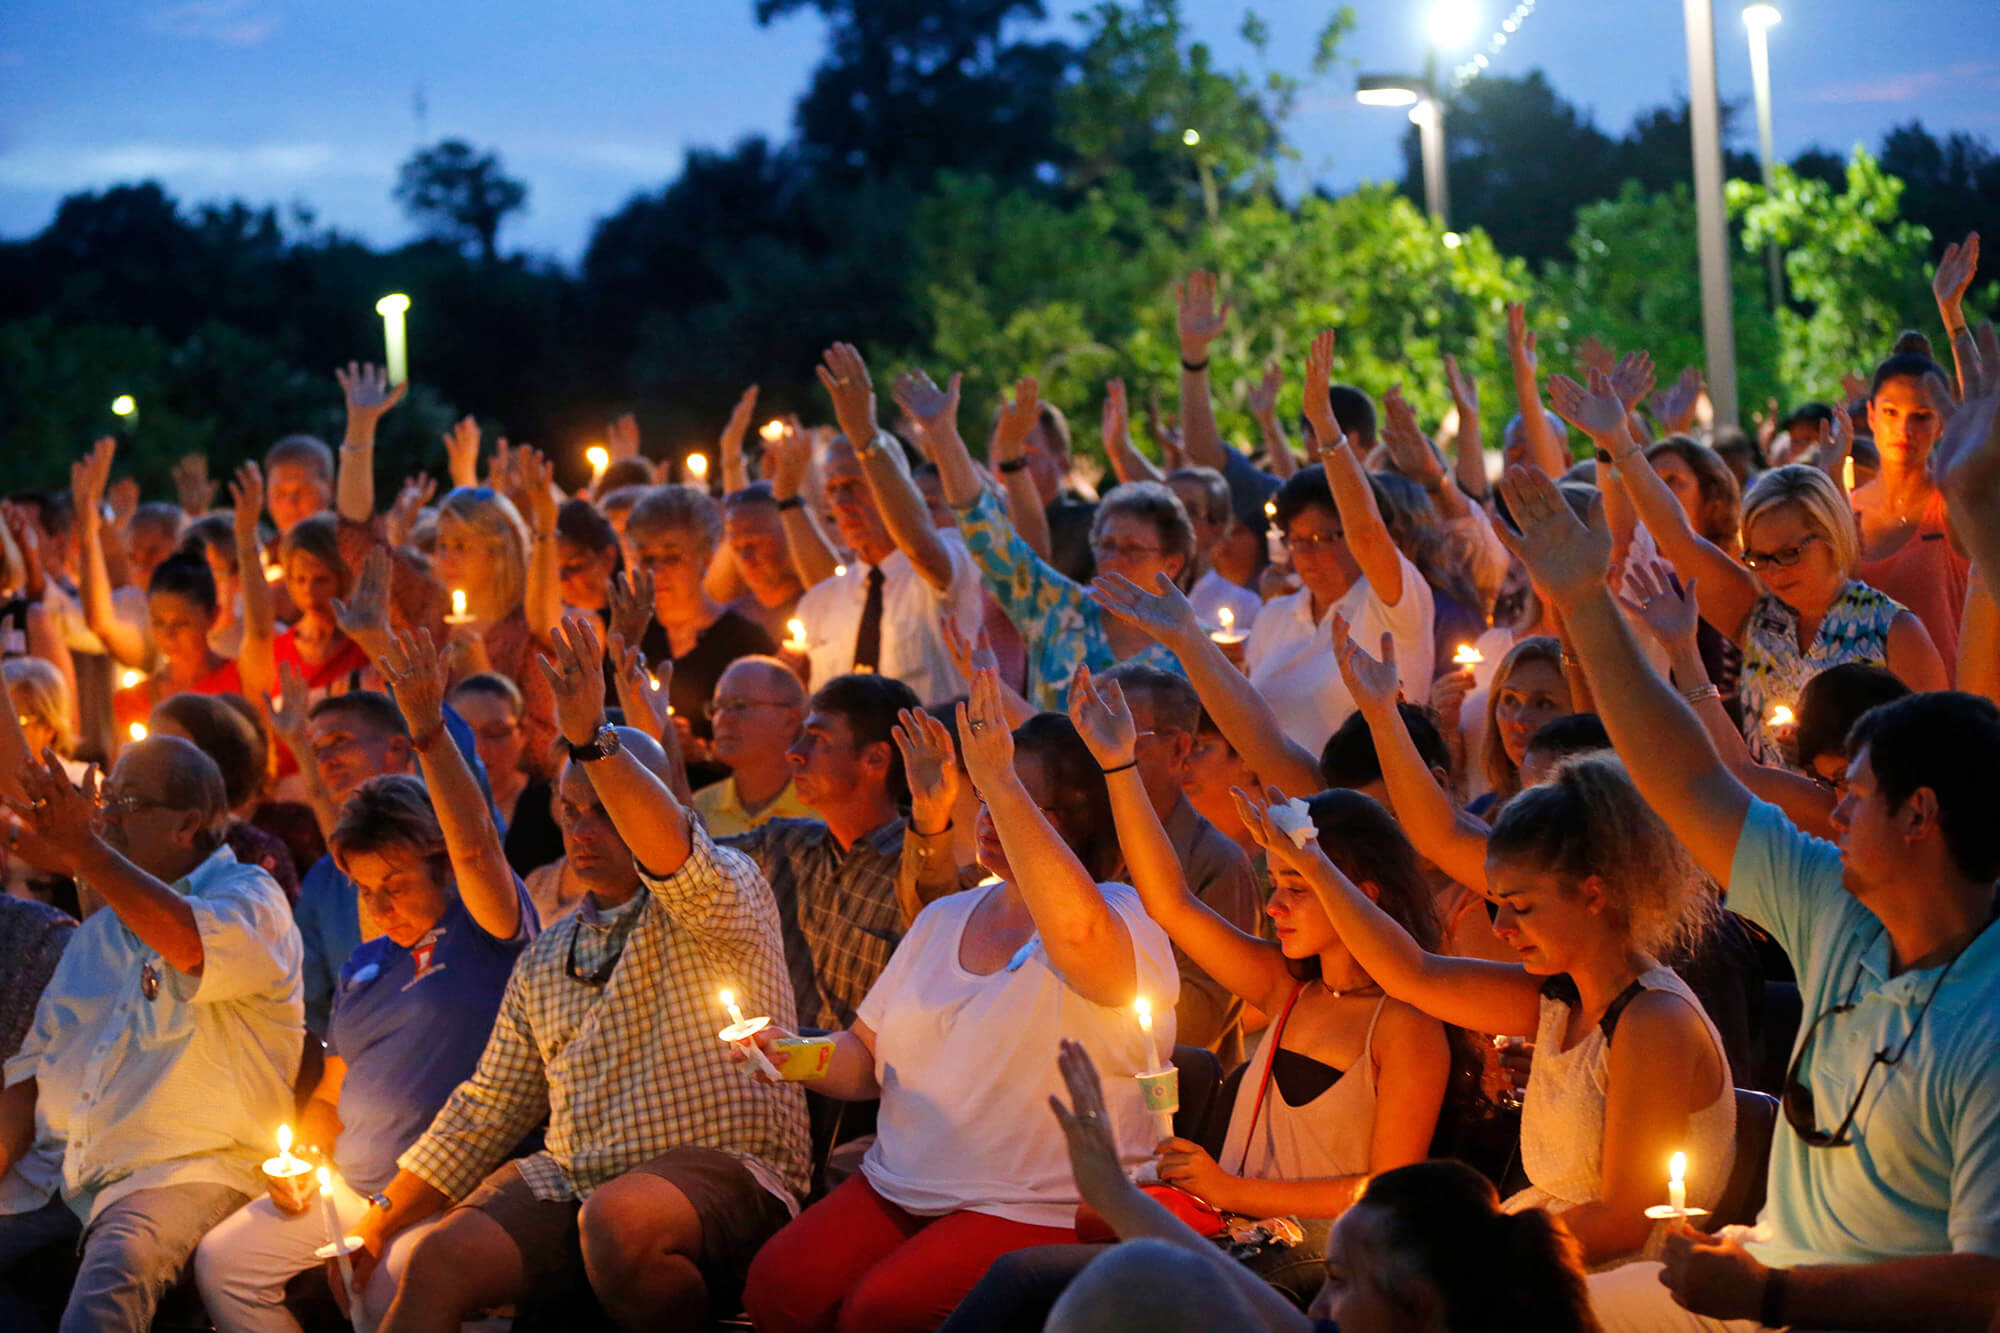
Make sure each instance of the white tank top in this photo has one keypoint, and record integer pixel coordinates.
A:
(1328, 1136)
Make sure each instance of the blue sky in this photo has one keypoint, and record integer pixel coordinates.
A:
(593, 100)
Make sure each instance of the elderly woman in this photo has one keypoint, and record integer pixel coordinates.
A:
(1140, 530)
(954, 1039)
(412, 1011)
(1792, 604)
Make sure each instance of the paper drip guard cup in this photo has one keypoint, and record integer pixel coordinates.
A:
(1161, 1090)
(290, 1183)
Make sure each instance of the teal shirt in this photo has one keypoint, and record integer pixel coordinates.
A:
(1922, 1175)
(1061, 627)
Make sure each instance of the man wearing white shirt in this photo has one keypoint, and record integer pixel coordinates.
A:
(164, 1048)
(907, 577)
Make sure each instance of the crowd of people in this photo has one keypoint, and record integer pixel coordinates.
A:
(1562, 890)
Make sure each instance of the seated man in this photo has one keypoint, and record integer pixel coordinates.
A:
(1883, 1209)
(756, 712)
(667, 1165)
(164, 1048)
(834, 876)
(754, 553)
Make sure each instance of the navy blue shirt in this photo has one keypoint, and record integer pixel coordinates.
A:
(411, 1023)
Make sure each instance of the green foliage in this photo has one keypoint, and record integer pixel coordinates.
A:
(1855, 271)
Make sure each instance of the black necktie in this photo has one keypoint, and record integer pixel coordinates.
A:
(868, 641)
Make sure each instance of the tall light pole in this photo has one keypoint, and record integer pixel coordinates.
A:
(1760, 19)
(1451, 24)
(1711, 224)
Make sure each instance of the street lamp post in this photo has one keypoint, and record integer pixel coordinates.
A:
(1711, 224)
(1451, 24)
(1760, 19)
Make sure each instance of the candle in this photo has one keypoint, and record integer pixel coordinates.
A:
(599, 458)
(285, 1159)
(797, 629)
(773, 429)
(1847, 473)
(1160, 1085)
(697, 467)
(1781, 716)
(741, 1034)
(334, 1237)
(130, 678)
(1677, 1192)
(840, 571)
(653, 681)
(1274, 538)
(1145, 1011)
(392, 308)
(273, 572)
(137, 731)
(1467, 655)
(459, 615)
(1228, 635)
(287, 1178)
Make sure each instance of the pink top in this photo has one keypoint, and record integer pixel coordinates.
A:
(1926, 575)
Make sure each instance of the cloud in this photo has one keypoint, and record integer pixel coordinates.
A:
(225, 22)
(1908, 87)
(53, 167)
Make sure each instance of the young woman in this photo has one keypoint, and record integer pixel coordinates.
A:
(1529, 688)
(1426, 1250)
(181, 604)
(1792, 603)
(1348, 1084)
(954, 1040)
(412, 1011)
(1628, 1069)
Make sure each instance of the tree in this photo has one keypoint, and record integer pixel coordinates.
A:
(459, 194)
(1950, 185)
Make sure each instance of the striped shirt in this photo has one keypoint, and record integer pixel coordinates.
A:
(631, 1067)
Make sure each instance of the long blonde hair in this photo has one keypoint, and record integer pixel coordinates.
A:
(488, 514)
(1502, 774)
(38, 690)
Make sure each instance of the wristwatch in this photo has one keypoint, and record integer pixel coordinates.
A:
(602, 746)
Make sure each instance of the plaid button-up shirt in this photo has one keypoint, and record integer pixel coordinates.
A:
(838, 910)
(629, 1069)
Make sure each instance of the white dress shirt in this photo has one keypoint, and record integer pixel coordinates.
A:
(913, 614)
(150, 1077)
(1290, 654)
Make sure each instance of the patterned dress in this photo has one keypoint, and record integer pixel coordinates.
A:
(1856, 629)
(1060, 626)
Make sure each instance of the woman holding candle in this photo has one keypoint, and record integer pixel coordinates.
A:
(955, 1038)
(1590, 889)
(1529, 688)
(413, 1008)
(1792, 603)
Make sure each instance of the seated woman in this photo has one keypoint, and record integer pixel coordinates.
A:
(1628, 1069)
(40, 697)
(1425, 1250)
(491, 706)
(182, 606)
(1529, 689)
(412, 1011)
(212, 724)
(953, 1039)
(1347, 1085)
(1139, 530)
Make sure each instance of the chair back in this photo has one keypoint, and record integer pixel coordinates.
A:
(1201, 1075)
(1743, 1196)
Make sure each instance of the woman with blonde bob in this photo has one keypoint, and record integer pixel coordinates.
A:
(41, 700)
(1792, 603)
(1590, 889)
(1529, 688)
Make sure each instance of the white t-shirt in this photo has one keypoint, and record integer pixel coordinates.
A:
(913, 614)
(1290, 655)
(968, 1063)
(1212, 592)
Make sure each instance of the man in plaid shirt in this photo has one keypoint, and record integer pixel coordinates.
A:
(665, 1164)
(834, 877)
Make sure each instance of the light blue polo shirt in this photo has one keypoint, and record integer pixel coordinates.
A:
(1922, 1174)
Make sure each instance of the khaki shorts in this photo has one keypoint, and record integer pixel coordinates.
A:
(737, 1216)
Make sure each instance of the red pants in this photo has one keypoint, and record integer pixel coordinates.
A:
(856, 1263)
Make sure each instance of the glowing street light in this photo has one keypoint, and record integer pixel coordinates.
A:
(1453, 23)
(392, 308)
(1191, 136)
(1760, 19)
(124, 405)
(1387, 90)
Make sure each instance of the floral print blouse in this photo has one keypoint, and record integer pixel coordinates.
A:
(1775, 672)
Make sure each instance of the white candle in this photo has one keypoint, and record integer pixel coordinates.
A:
(395, 341)
(334, 1236)
(1677, 1194)
(697, 466)
(286, 1162)
(742, 1034)
(1847, 473)
(797, 629)
(137, 731)
(1163, 1121)
(735, 1010)
(459, 615)
(1228, 634)
(130, 678)
(599, 459)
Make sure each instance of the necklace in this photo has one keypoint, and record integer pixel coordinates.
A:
(1365, 988)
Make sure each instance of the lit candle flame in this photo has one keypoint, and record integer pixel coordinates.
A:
(1677, 1168)
(600, 459)
(1271, 509)
(130, 678)
(1781, 716)
(325, 1178)
(653, 681)
(1145, 1012)
(1227, 617)
(797, 629)
(729, 1003)
(840, 571)
(273, 572)
(1847, 474)
(1677, 1197)
(772, 429)
(1467, 655)
(137, 731)
(458, 601)
(285, 1144)
(697, 465)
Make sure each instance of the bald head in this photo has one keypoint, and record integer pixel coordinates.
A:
(165, 806)
(763, 678)
(173, 773)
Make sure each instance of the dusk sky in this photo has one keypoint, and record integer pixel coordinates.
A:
(594, 100)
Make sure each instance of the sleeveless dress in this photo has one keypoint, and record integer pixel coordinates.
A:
(1928, 577)
(1562, 1114)
(1856, 629)
(1326, 1137)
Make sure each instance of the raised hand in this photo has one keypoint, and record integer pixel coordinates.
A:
(416, 678)
(1566, 559)
(1326, 432)
(642, 694)
(1464, 391)
(1594, 354)
(399, 526)
(1372, 681)
(1854, 387)
(89, 476)
(1521, 342)
(461, 451)
(1093, 1148)
(1953, 279)
(1263, 399)
(574, 668)
(537, 487)
(1408, 445)
(1200, 322)
(1967, 458)
(845, 377)
(1279, 849)
(124, 497)
(288, 714)
(1103, 719)
(364, 615)
(631, 604)
(369, 396)
(932, 408)
(1448, 693)
(1017, 420)
(58, 822)
(1166, 615)
(788, 460)
(1835, 444)
(621, 437)
(1597, 411)
(931, 764)
(969, 657)
(1632, 380)
(246, 501)
(983, 730)
(1669, 613)
(192, 485)
(1674, 406)
(738, 424)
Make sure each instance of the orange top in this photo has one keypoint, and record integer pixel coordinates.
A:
(1930, 578)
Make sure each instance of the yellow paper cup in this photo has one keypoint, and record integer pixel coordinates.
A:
(1161, 1090)
(801, 1059)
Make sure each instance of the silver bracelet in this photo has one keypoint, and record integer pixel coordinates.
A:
(1700, 692)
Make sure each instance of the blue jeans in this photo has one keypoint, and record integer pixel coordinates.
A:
(136, 1249)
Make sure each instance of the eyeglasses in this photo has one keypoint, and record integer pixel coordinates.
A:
(1784, 558)
(1118, 550)
(715, 708)
(124, 803)
(1315, 541)
(1797, 1098)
